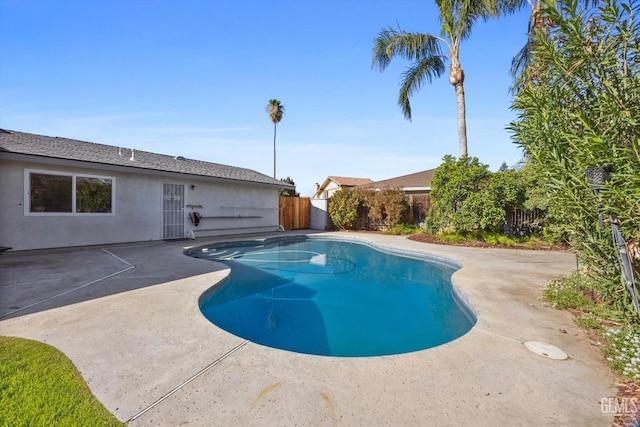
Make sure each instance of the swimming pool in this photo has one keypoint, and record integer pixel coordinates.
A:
(334, 297)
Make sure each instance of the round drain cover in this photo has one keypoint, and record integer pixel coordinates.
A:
(546, 350)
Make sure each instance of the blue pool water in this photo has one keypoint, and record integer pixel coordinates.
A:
(334, 298)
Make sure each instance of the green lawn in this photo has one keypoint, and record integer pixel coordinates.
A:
(40, 386)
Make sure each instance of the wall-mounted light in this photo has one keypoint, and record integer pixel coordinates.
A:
(193, 187)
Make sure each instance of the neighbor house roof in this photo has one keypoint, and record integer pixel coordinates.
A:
(341, 181)
(70, 149)
(344, 181)
(412, 182)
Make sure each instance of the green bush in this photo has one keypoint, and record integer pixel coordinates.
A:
(385, 208)
(468, 198)
(579, 107)
(343, 208)
(453, 182)
(403, 229)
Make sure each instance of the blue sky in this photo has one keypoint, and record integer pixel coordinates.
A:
(193, 78)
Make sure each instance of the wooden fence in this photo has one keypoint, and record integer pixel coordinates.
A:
(523, 223)
(295, 212)
(418, 208)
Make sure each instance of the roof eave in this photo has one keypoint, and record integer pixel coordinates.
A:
(10, 155)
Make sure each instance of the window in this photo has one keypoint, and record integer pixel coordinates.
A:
(93, 195)
(56, 193)
(50, 193)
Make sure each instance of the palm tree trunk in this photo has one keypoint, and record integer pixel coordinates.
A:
(456, 78)
(462, 119)
(274, 151)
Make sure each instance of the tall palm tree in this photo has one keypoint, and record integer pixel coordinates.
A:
(523, 59)
(275, 109)
(426, 52)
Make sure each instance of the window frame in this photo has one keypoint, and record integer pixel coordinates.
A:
(74, 176)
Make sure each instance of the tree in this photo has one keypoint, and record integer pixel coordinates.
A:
(275, 109)
(582, 111)
(289, 193)
(524, 59)
(426, 52)
(468, 198)
(453, 182)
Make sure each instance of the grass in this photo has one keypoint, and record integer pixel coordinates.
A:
(403, 229)
(621, 335)
(491, 239)
(39, 385)
(623, 351)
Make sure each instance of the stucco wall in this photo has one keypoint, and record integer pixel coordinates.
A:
(138, 209)
(320, 214)
(232, 208)
(331, 188)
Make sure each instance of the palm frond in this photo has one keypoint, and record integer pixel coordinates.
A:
(415, 76)
(507, 7)
(520, 61)
(392, 43)
(458, 16)
(275, 109)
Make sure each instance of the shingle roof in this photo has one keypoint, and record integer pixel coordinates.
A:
(414, 180)
(71, 149)
(341, 181)
(345, 181)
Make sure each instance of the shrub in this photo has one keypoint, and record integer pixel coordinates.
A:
(343, 208)
(403, 229)
(468, 198)
(453, 182)
(385, 208)
(578, 108)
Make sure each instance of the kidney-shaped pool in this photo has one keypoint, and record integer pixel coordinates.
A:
(334, 297)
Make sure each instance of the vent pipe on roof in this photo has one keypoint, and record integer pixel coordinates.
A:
(119, 151)
(133, 155)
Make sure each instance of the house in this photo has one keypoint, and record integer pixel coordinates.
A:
(59, 192)
(414, 183)
(335, 183)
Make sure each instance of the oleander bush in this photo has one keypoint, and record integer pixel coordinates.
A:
(579, 107)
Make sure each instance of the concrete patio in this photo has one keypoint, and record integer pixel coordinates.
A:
(128, 317)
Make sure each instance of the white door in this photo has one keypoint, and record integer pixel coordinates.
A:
(173, 211)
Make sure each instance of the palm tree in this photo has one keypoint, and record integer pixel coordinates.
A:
(275, 109)
(426, 52)
(523, 59)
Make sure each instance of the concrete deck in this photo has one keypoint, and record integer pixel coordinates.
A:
(134, 330)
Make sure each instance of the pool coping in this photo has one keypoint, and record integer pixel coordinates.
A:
(150, 344)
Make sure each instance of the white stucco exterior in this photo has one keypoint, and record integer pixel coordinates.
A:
(227, 206)
(320, 214)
